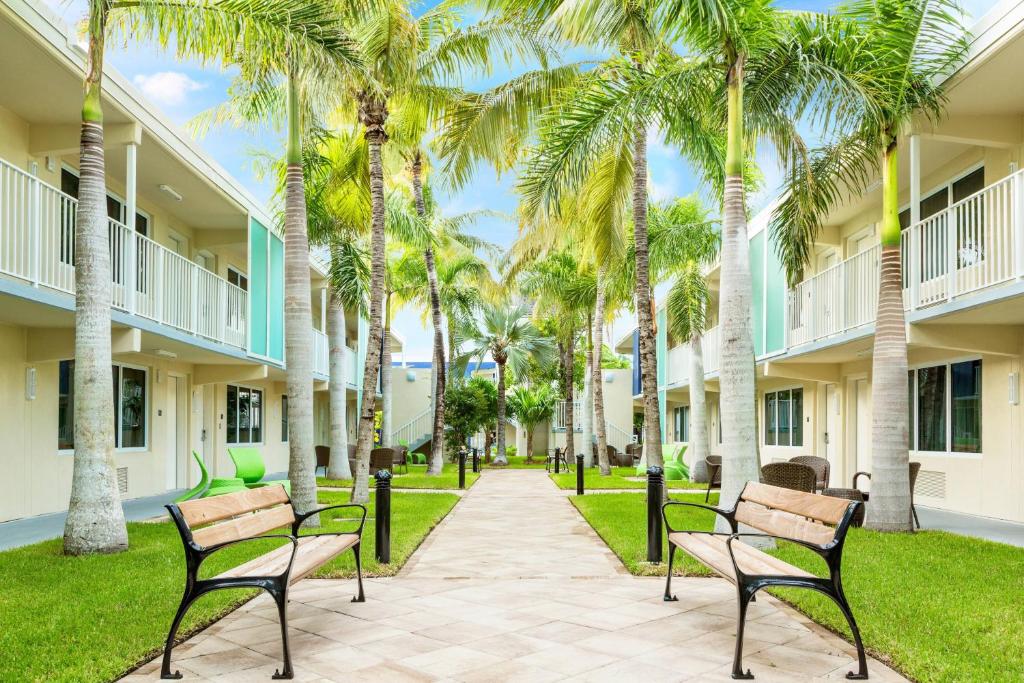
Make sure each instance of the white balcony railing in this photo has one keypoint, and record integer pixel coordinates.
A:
(352, 374)
(321, 359)
(37, 244)
(709, 346)
(415, 430)
(560, 415)
(975, 244)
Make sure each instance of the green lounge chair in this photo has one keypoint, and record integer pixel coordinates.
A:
(216, 486)
(675, 468)
(249, 468)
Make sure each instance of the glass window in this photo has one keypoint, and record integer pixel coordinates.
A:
(965, 395)
(684, 423)
(783, 418)
(244, 415)
(131, 408)
(910, 400)
(798, 417)
(238, 279)
(232, 413)
(66, 405)
(931, 408)
(770, 419)
(785, 423)
(284, 418)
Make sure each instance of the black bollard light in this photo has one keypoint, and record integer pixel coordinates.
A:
(476, 460)
(558, 456)
(655, 482)
(462, 468)
(579, 474)
(382, 523)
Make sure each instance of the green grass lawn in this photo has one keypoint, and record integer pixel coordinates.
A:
(518, 462)
(95, 618)
(937, 606)
(592, 479)
(416, 478)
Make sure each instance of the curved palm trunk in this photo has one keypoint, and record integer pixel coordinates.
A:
(372, 114)
(385, 377)
(438, 374)
(697, 448)
(298, 339)
(597, 381)
(890, 478)
(529, 443)
(570, 411)
(501, 458)
(338, 468)
(645, 317)
(587, 421)
(95, 521)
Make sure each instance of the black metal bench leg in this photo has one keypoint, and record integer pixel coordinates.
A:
(165, 668)
(361, 597)
(281, 597)
(914, 511)
(741, 618)
(862, 660)
(668, 579)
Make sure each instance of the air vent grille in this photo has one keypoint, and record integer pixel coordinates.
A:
(122, 480)
(931, 483)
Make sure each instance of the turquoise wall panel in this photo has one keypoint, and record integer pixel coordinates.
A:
(775, 311)
(661, 344)
(276, 296)
(662, 412)
(757, 278)
(257, 288)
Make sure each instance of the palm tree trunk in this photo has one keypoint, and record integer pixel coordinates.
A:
(95, 521)
(501, 458)
(739, 427)
(645, 318)
(529, 444)
(587, 422)
(385, 377)
(570, 410)
(338, 468)
(298, 322)
(438, 375)
(890, 456)
(697, 448)
(372, 114)
(597, 381)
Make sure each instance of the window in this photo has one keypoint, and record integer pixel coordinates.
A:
(284, 418)
(238, 279)
(131, 406)
(784, 418)
(681, 417)
(945, 408)
(244, 415)
(69, 183)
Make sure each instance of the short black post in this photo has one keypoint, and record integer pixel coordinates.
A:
(558, 456)
(476, 460)
(382, 523)
(655, 482)
(462, 468)
(579, 474)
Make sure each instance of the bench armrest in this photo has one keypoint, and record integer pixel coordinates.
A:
(299, 519)
(807, 544)
(727, 514)
(206, 552)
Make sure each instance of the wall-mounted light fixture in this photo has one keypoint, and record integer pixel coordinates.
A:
(164, 353)
(1014, 379)
(410, 376)
(30, 384)
(170, 192)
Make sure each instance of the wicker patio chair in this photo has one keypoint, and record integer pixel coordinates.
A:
(849, 494)
(820, 467)
(915, 468)
(789, 475)
(634, 451)
(381, 459)
(323, 457)
(401, 457)
(714, 463)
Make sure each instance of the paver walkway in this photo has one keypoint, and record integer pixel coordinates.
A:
(515, 586)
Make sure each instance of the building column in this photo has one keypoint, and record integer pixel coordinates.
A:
(131, 183)
(915, 179)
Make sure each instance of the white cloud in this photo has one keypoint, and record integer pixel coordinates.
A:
(169, 88)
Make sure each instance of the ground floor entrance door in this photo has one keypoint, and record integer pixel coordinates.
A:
(833, 452)
(174, 449)
(197, 439)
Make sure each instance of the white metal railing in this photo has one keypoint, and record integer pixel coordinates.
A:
(352, 375)
(617, 436)
(709, 346)
(37, 244)
(577, 415)
(416, 428)
(678, 368)
(321, 349)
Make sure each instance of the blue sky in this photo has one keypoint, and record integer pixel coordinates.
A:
(183, 89)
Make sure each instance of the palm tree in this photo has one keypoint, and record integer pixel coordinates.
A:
(531, 406)
(506, 333)
(209, 30)
(901, 51)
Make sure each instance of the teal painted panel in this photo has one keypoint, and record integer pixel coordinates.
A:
(758, 285)
(662, 412)
(276, 293)
(661, 345)
(257, 288)
(775, 313)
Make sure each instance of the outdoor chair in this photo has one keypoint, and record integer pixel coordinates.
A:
(915, 468)
(850, 494)
(381, 459)
(549, 461)
(634, 451)
(249, 468)
(401, 458)
(714, 463)
(210, 487)
(617, 458)
(789, 475)
(323, 457)
(820, 467)
(675, 467)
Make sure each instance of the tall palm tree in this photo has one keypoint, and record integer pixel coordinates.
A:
(506, 333)
(901, 51)
(210, 30)
(531, 406)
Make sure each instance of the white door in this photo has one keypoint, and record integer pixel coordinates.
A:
(198, 436)
(863, 431)
(832, 435)
(171, 433)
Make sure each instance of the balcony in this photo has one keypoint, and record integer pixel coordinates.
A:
(974, 245)
(677, 371)
(37, 245)
(321, 359)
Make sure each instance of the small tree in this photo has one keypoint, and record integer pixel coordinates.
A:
(531, 407)
(471, 406)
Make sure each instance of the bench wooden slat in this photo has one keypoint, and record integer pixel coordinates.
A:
(313, 552)
(822, 508)
(713, 551)
(780, 523)
(245, 526)
(216, 508)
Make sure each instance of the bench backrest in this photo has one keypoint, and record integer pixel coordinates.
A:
(244, 514)
(249, 465)
(794, 514)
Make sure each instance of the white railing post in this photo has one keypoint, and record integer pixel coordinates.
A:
(914, 256)
(951, 255)
(35, 230)
(159, 286)
(1017, 221)
(222, 309)
(194, 308)
(844, 322)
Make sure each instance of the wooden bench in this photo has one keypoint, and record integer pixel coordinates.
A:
(816, 522)
(211, 524)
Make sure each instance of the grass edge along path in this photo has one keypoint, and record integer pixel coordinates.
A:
(620, 478)
(415, 478)
(933, 605)
(96, 618)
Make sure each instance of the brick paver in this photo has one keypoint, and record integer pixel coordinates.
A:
(515, 586)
